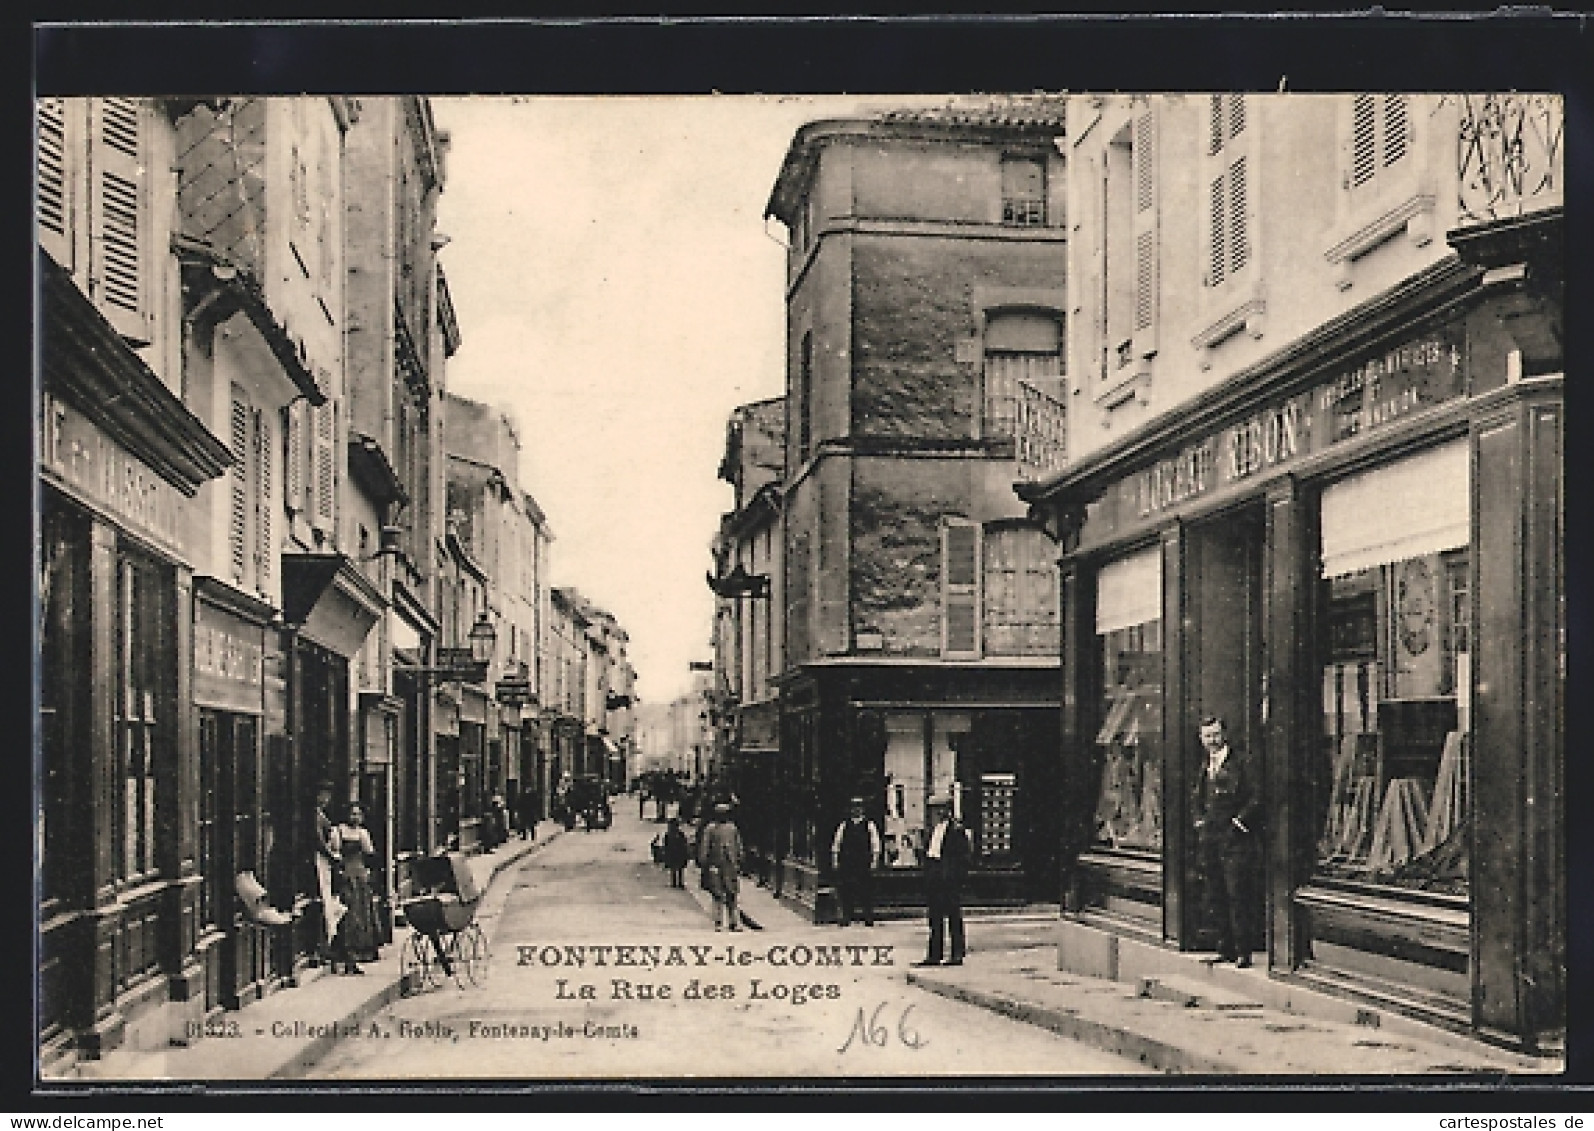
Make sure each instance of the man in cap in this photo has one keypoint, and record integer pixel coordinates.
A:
(946, 862)
(854, 852)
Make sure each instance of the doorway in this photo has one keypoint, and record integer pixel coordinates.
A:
(1224, 666)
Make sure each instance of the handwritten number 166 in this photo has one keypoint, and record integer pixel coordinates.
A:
(868, 1030)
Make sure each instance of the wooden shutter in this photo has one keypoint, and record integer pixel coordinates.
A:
(1215, 130)
(120, 217)
(55, 188)
(293, 457)
(1239, 242)
(1236, 115)
(1364, 140)
(1396, 129)
(238, 480)
(265, 549)
(960, 589)
(325, 466)
(1143, 154)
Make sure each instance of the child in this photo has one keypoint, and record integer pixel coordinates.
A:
(676, 852)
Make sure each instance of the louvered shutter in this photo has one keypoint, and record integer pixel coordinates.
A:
(1144, 158)
(1396, 129)
(238, 480)
(1239, 241)
(293, 457)
(325, 430)
(120, 217)
(1215, 130)
(55, 186)
(1364, 140)
(960, 589)
(1217, 232)
(265, 547)
(1236, 115)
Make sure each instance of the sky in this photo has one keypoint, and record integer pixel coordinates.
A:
(619, 292)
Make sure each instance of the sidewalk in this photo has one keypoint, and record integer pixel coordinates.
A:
(1180, 1014)
(282, 1035)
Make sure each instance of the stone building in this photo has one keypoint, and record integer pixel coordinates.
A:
(926, 309)
(1314, 487)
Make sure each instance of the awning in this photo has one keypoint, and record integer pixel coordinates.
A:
(1129, 591)
(1418, 505)
(330, 601)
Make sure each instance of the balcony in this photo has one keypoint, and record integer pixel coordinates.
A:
(1035, 420)
(1509, 155)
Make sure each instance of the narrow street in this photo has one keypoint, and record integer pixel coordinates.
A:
(650, 1013)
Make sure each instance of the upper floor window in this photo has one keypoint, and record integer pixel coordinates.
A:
(252, 550)
(1130, 234)
(1228, 190)
(960, 589)
(1024, 191)
(1380, 138)
(1021, 348)
(805, 390)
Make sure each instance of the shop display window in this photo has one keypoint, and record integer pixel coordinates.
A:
(914, 773)
(1129, 811)
(1393, 767)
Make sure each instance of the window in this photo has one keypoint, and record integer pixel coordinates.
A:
(803, 406)
(1380, 138)
(251, 549)
(55, 181)
(1020, 349)
(1392, 771)
(1019, 603)
(1129, 812)
(141, 637)
(1024, 191)
(1228, 191)
(960, 589)
(1130, 236)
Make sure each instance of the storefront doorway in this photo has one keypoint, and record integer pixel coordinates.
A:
(1224, 665)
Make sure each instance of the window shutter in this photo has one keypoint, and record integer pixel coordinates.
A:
(1215, 125)
(960, 597)
(293, 457)
(325, 430)
(1236, 114)
(238, 479)
(1217, 228)
(1239, 243)
(55, 202)
(120, 217)
(1396, 129)
(1364, 140)
(265, 549)
(1143, 153)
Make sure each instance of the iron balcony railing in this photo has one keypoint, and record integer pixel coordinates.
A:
(1036, 422)
(1510, 155)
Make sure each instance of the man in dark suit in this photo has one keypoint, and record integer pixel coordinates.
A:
(1228, 804)
(946, 862)
(854, 854)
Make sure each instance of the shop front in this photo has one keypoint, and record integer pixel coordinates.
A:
(896, 736)
(1352, 557)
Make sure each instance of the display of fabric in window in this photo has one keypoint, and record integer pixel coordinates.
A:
(1449, 804)
(1402, 819)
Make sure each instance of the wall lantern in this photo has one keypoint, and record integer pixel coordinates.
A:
(483, 639)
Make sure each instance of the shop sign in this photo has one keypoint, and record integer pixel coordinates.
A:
(1374, 393)
(514, 692)
(75, 449)
(228, 661)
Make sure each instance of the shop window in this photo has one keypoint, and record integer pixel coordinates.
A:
(921, 760)
(1392, 775)
(63, 602)
(1024, 191)
(142, 604)
(1129, 810)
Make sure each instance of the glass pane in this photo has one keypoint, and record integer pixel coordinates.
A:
(905, 793)
(1393, 766)
(1129, 739)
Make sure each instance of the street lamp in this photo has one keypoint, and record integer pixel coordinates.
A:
(483, 639)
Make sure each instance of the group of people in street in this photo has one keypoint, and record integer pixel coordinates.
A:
(353, 923)
(1227, 809)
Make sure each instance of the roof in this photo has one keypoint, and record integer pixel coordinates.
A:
(986, 117)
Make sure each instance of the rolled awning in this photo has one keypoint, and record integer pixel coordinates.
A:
(1418, 505)
(1129, 591)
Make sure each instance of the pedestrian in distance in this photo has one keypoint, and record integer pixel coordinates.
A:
(526, 813)
(854, 855)
(946, 863)
(1228, 805)
(722, 864)
(677, 850)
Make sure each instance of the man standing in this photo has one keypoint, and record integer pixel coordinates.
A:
(946, 862)
(1227, 805)
(854, 853)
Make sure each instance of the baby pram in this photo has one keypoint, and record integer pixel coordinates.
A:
(445, 939)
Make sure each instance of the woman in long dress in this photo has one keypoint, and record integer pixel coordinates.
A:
(351, 842)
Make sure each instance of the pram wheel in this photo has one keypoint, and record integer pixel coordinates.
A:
(471, 962)
(418, 964)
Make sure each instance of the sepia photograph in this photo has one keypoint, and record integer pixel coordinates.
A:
(612, 587)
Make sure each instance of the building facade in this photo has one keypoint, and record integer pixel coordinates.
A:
(926, 308)
(1314, 488)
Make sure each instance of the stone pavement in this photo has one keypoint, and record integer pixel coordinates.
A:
(303, 1019)
(1179, 1014)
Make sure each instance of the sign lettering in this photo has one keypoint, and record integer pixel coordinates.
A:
(79, 453)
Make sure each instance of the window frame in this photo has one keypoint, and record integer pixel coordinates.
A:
(971, 593)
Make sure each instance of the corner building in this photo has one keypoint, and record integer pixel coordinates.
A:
(925, 320)
(1315, 431)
